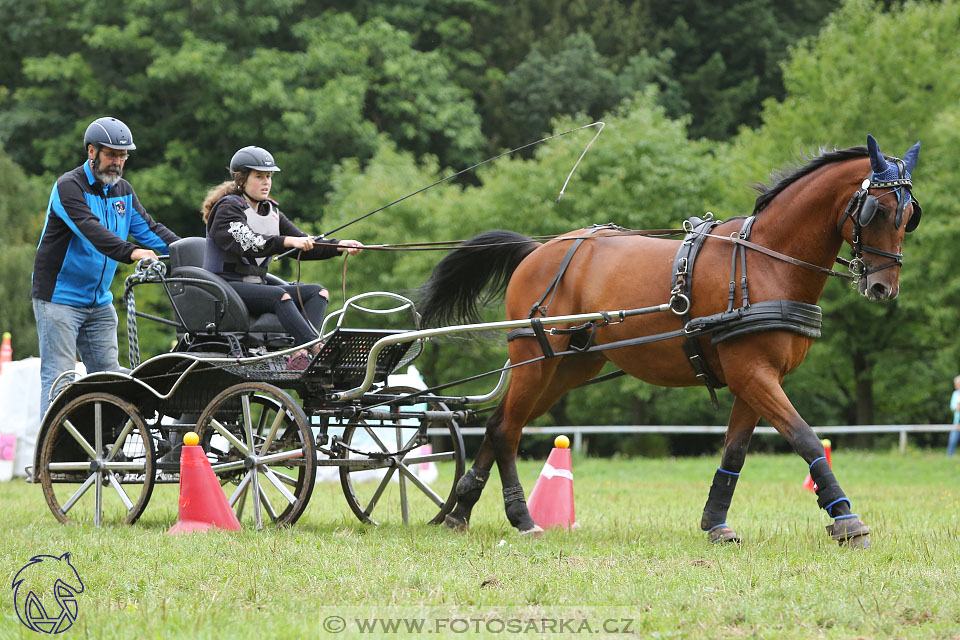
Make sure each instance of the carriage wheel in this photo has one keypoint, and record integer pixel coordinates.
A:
(261, 447)
(97, 462)
(387, 481)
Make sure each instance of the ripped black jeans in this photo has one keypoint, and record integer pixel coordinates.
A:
(268, 298)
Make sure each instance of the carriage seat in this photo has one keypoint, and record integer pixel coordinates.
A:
(208, 304)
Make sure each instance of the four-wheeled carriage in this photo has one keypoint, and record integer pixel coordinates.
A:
(108, 438)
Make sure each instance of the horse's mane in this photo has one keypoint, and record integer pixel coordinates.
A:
(782, 179)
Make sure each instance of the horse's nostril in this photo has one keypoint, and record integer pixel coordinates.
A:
(879, 290)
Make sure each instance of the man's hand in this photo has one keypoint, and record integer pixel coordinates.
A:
(304, 243)
(141, 254)
(351, 247)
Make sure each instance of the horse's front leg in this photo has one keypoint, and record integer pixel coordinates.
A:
(743, 420)
(763, 391)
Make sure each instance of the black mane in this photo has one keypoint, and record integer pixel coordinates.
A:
(782, 179)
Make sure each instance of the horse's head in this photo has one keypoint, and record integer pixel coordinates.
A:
(880, 212)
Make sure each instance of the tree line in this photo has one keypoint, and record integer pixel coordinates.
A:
(364, 102)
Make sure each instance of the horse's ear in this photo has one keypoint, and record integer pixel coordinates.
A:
(910, 158)
(877, 161)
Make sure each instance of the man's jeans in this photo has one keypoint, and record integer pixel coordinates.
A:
(66, 330)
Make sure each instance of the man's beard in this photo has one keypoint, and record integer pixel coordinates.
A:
(110, 177)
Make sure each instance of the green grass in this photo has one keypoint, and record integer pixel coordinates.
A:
(638, 556)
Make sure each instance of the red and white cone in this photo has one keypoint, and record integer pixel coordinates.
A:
(551, 502)
(203, 505)
(809, 484)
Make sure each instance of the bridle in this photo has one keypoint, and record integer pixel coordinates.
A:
(862, 209)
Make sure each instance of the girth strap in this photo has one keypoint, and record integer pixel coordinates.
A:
(681, 285)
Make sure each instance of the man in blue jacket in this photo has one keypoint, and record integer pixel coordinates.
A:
(92, 212)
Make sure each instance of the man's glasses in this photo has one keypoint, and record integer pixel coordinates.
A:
(115, 155)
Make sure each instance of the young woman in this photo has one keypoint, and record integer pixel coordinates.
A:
(245, 229)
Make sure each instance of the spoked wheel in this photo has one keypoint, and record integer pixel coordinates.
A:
(399, 473)
(97, 462)
(261, 447)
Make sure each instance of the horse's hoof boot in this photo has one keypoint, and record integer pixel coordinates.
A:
(856, 542)
(848, 529)
(723, 534)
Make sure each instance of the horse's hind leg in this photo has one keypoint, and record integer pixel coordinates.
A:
(533, 390)
(743, 420)
(761, 388)
(470, 486)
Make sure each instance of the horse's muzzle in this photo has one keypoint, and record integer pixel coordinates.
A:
(876, 290)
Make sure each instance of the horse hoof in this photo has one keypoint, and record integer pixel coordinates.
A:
(722, 534)
(850, 531)
(535, 532)
(455, 524)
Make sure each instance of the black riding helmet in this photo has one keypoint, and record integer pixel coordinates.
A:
(108, 132)
(253, 158)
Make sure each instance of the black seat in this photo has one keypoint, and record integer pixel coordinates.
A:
(209, 305)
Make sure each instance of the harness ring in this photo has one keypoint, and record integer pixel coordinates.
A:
(684, 299)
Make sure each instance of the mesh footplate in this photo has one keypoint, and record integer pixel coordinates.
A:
(342, 363)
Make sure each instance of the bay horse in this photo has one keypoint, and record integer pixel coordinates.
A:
(856, 195)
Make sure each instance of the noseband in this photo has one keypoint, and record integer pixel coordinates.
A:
(862, 209)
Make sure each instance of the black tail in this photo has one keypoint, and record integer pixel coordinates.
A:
(476, 272)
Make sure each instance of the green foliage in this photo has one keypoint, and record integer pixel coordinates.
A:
(725, 82)
(314, 90)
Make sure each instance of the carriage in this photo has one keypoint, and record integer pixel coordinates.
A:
(108, 438)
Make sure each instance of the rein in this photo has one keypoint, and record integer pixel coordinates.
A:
(447, 245)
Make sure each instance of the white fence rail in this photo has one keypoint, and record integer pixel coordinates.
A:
(577, 432)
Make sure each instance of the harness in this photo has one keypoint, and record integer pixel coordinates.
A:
(798, 317)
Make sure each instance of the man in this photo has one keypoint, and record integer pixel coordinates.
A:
(91, 213)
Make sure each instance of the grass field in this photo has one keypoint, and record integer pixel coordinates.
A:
(638, 559)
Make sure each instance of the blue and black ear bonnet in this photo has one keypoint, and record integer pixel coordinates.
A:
(892, 173)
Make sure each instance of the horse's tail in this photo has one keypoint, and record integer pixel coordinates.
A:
(476, 272)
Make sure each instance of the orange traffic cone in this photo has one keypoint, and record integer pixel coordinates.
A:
(6, 351)
(809, 484)
(203, 505)
(551, 502)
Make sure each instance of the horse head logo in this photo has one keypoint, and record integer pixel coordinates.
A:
(46, 580)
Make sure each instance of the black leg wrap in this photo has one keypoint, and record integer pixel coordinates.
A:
(830, 496)
(469, 488)
(513, 494)
(515, 504)
(472, 480)
(718, 502)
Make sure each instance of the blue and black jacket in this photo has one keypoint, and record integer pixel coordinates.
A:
(85, 236)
